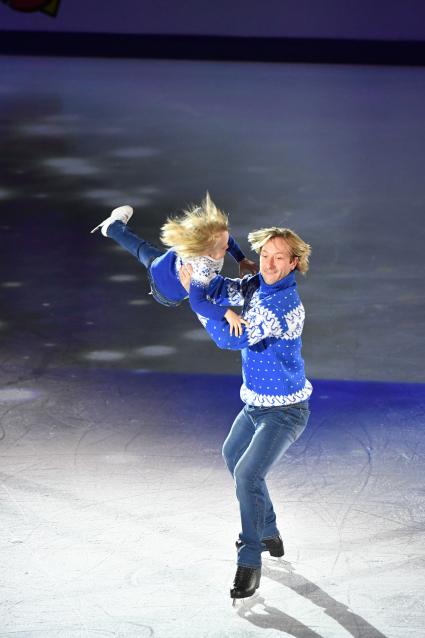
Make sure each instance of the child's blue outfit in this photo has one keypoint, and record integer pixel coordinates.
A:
(163, 267)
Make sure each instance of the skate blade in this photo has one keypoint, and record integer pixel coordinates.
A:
(246, 603)
(96, 228)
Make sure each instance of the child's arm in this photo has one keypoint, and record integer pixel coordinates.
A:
(246, 266)
(235, 322)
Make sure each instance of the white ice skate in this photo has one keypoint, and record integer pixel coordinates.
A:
(120, 214)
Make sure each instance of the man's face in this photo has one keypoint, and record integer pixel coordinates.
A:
(275, 260)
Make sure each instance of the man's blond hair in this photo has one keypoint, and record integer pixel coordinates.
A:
(297, 246)
(196, 231)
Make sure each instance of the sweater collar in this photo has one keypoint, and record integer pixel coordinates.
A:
(285, 282)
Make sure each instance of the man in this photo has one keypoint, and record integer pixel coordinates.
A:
(275, 390)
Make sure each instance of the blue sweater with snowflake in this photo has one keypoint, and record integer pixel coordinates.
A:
(272, 365)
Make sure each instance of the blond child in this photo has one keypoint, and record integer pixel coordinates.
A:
(199, 238)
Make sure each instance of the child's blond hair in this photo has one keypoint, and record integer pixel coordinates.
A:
(196, 231)
(297, 246)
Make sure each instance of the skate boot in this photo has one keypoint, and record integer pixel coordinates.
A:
(120, 214)
(273, 545)
(247, 580)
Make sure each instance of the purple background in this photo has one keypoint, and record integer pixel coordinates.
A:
(378, 19)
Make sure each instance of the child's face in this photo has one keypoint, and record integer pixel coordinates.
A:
(220, 246)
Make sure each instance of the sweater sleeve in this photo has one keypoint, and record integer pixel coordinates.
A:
(233, 249)
(224, 291)
(263, 323)
(201, 304)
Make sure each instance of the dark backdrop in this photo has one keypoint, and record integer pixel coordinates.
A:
(376, 20)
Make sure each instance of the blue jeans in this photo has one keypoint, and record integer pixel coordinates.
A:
(144, 252)
(258, 438)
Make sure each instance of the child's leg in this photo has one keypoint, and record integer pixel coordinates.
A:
(138, 247)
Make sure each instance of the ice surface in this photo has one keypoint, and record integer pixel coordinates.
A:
(119, 517)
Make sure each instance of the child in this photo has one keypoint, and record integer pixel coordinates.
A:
(198, 238)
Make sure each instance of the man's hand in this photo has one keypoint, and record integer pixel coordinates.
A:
(235, 322)
(247, 267)
(185, 276)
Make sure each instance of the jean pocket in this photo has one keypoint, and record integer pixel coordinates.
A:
(297, 418)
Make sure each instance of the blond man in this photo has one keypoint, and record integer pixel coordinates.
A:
(274, 389)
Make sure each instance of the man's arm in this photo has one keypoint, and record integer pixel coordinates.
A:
(224, 291)
(221, 291)
(208, 310)
(246, 266)
(233, 249)
(263, 323)
(202, 305)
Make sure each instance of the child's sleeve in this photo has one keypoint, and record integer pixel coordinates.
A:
(233, 249)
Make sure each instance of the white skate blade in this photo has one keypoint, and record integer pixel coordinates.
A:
(97, 227)
(245, 604)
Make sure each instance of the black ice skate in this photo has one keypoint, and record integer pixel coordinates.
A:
(273, 545)
(247, 580)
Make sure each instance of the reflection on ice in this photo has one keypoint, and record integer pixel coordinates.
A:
(197, 334)
(139, 302)
(104, 355)
(105, 194)
(136, 152)
(155, 351)
(18, 394)
(63, 118)
(52, 130)
(122, 278)
(112, 198)
(71, 165)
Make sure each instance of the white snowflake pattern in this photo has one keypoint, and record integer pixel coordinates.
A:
(204, 268)
(202, 319)
(263, 322)
(234, 294)
(268, 400)
(295, 320)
